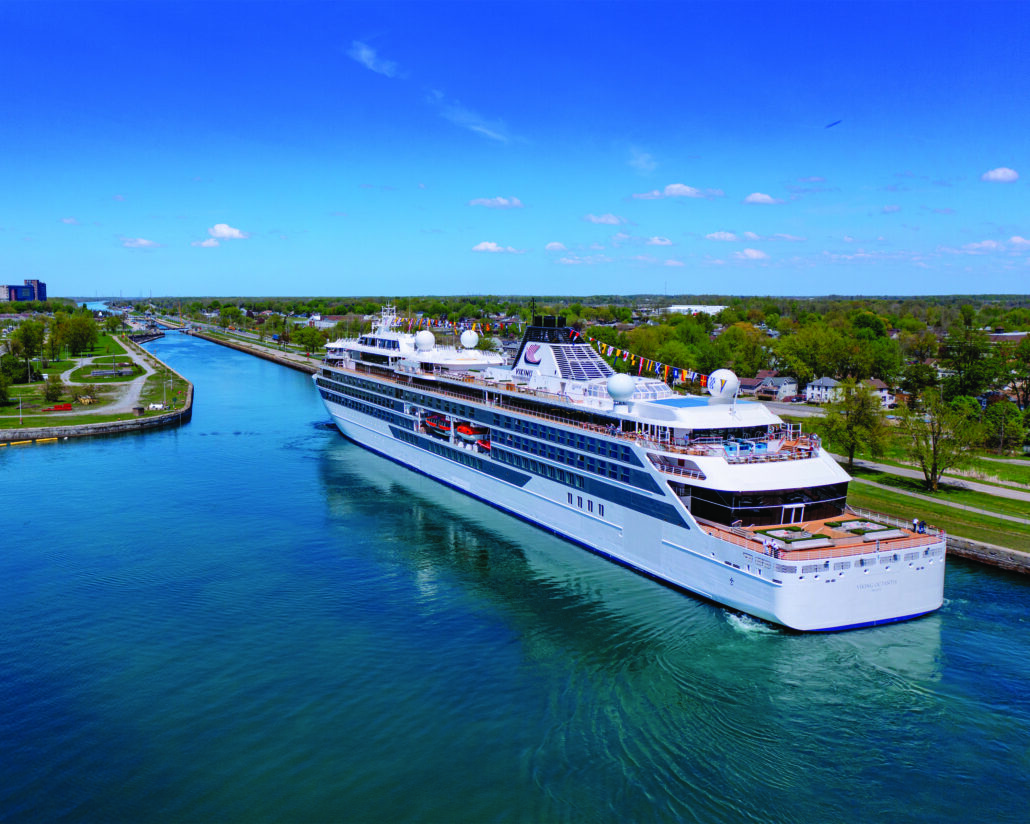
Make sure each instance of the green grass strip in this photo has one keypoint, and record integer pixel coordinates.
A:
(969, 525)
(947, 493)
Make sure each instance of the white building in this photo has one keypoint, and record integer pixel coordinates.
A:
(822, 390)
(693, 309)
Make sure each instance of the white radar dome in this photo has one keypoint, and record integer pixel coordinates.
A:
(722, 383)
(424, 340)
(469, 339)
(621, 386)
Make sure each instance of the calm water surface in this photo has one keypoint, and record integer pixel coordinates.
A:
(251, 619)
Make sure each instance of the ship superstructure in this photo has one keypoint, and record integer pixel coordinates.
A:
(713, 495)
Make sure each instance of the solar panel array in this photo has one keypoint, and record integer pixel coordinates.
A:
(580, 362)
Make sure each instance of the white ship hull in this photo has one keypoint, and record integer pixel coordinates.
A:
(871, 588)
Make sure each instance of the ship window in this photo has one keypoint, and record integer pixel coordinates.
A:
(579, 501)
(600, 510)
(590, 506)
(570, 497)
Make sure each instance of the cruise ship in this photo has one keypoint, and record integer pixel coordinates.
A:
(712, 495)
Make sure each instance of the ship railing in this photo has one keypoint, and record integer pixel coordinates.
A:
(834, 548)
(802, 446)
(757, 450)
(675, 469)
(879, 517)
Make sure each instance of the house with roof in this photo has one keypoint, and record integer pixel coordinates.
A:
(881, 390)
(822, 390)
(749, 385)
(776, 389)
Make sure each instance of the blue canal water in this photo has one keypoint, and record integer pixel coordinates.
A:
(250, 619)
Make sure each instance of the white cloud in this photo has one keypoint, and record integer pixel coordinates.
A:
(607, 219)
(887, 210)
(751, 236)
(659, 241)
(223, 231)
(555, 246)
(982, 246)
(678, 190)
(138, 243)
(761, 197)
(642, 161)
(750, 254)
(721, 235)
(588, 260)
(674, 262)
(459, 115)
(207, 244)
(1002, 174)
(71, 221)
(783, 236)
(1016, 240)
(368, 58)
(497, 202)
(490, 246)
(682, 190)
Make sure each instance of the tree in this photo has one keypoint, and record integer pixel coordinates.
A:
(937, 437)
(855, 419)
(30, 334)
(53, 388)
(57, 332)
(967, 352)
(1017, 366)
(4, 383)
(81, 334)
(111, 323)
(310, 338)
(1003, 426)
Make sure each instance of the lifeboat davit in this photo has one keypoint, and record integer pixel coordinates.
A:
(438, 425)
(470, 433)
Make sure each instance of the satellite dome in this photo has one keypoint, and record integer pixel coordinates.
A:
(425, 340)
(469, 339)
(621, 386)
(722, 383)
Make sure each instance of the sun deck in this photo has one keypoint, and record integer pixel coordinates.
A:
(854, 533)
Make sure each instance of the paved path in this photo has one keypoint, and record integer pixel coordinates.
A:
(127, 394)
(963, 483)
(1017, 461)
(949, 504)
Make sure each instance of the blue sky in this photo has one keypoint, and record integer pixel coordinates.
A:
(263, 148)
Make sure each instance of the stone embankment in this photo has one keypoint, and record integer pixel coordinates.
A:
(999, 556)
(293, 361)
(84, 430)
(146, 422)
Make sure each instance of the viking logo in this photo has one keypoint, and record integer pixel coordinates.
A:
(531, 355)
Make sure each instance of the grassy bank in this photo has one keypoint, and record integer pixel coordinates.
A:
(948, 494)
(960, 522)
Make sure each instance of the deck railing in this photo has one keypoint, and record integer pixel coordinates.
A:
(837, 547)
(784, 443)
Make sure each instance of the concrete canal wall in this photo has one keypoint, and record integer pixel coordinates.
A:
(999, 556)
(85, 430)
(298, 362)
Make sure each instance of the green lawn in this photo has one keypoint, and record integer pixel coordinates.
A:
(948, 493)
(954, 521)
(82, 374)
